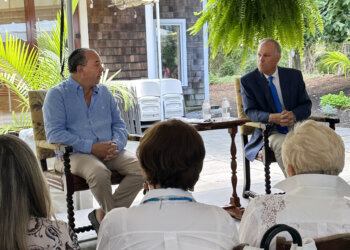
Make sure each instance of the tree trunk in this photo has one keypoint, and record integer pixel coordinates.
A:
(294, 60)
(309, 58)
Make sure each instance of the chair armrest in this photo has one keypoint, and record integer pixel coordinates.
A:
(263, 126)
(324, 119)
(331, 121)
(53, 146)
(134, 137)
(256, 125)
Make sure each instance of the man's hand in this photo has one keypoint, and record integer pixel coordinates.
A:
(105, 150)
(112, 152)
(287, 118)
(284, 119)
(275, 118)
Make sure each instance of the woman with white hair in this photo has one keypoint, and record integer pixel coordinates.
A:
(314, 202)
(25, 205)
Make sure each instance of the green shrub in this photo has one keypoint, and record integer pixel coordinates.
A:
(213, 78)
(336, 101)
(227, 68)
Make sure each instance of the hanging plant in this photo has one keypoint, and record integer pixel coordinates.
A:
(243, 23)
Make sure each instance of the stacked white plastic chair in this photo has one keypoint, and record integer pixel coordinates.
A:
(172, 98)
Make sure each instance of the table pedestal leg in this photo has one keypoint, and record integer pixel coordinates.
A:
(234, 209)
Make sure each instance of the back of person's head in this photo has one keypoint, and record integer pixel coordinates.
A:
(171, 153)
(78, 57)
(23, 192)
(313, 148)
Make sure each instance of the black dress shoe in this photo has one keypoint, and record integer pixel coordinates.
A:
(93, 220)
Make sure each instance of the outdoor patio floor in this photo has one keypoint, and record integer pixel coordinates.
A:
(214, 185)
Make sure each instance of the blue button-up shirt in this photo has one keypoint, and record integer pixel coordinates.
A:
(70, 121)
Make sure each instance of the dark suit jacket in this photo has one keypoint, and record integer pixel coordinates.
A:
(258, 102)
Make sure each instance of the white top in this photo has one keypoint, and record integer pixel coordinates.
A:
(159, 223)
(314, 204)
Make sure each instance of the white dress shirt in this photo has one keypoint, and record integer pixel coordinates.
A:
(276, 82)
(314, 204)
(159, 223)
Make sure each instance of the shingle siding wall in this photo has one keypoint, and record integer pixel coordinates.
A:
(121, 41)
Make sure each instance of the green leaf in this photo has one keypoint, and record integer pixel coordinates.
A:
(233, 23)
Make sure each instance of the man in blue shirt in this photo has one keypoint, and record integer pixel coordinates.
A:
(83, 113)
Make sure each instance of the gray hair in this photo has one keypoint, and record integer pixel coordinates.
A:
(313, 148)
(77, 58)
(277, 45)
(23, 192)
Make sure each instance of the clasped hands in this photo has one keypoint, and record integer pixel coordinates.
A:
(105, 150)
(285, 118)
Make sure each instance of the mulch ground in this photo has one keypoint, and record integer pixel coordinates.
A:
(316, 87)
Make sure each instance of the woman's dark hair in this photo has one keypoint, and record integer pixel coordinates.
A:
(171, 154)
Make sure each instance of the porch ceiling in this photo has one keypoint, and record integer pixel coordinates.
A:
(123, 4)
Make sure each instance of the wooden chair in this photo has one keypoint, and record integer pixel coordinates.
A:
(266, 155)
(333, 242)
(240, 246)
(270, 234)
(66, 181)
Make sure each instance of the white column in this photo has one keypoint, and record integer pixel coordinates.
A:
(70, 26)
(160, 62)
(206, 58)
(83, 24)
(150, 42)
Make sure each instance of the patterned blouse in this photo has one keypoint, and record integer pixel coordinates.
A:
(44, 233)
(314, 204)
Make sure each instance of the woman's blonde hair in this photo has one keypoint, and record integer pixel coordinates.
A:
(313, 148)
(23, 192)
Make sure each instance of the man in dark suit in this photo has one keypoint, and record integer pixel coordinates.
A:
(273, 94)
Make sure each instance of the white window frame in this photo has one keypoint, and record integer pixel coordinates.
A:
(183, 45)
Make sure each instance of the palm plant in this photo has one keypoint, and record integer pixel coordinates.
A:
(18, 66)
(336, 60)
(119, 90)
(23, 69)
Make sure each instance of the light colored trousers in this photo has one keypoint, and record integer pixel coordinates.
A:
(98, 176)
(275, 142)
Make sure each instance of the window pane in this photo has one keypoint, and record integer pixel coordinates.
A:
(171, 52)
(12, 19)
(46, 14)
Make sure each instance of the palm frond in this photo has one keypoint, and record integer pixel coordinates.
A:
(336, 60)
(17, 58)
(119, 90)
(19, 122)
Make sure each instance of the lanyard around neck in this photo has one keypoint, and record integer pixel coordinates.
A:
(169, 199)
